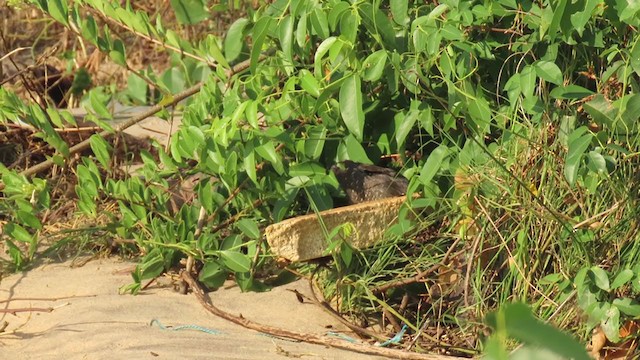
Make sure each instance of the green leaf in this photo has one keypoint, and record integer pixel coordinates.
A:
(285, 35)
(15, 253)
(260, 31)
(319, 196)
(232, 242)
(349, 26)
(571, 92)
(137, 89)
(426, 120)
(268, 152)
(581, 18)
(600, 278)
(28, 219)
(89, 29)
(173, 39)
(601, 110)
(527, 82)
(284, 202)
(578, 144)
(627, 11)
(117, 53)
(251, 112)
(18, 233)
(234, 41)
(230, 169)
(129, 218)
(235, 260)
(558, 14)
(194, 136)
(336, 12)
(438, 10)
(423, 30)
(627, 306)
(350, 148)
(635, 284)
(320, 23)
(206, 192)
(404, 124)
(320, 52)
(597, 162)
(634, 57)
(68, 118)
(246, 282)
(55, 118)
(210, 44)
(250, 165)
(309, 83)
(452, 33)
(212, 275)
(480, 112)
(432, 165)
(514, 88)
(301, 31)
(551, 279)
(101, 150)
(151, 266)
(249, 227)
(59, 10)
(307, 169)
(631, 112)
(315, 143)
(586, 298)
(97, 102)
(374, 65)
(548, 71)
(517, 321)
(351, 106)
(399, 11)
(611, 324)
(190, 12)
(173, 79)
(87, 205)
(378, 23)
(622, 278)
(346, 253)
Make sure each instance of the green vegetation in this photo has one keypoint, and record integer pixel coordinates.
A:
(517, 122)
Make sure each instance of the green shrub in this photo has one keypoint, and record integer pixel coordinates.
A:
(515, 121)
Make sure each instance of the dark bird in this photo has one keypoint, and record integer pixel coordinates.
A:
(362, 182)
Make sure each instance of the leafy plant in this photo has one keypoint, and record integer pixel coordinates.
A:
(602, 297)
(515, 121)
(540, 340)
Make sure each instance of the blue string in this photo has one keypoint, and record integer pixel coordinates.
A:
(341, 336)
(396, 339)
(185, 327)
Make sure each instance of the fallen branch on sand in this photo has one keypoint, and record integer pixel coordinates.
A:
(308, 338)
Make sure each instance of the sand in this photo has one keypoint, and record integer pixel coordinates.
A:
(91, 320)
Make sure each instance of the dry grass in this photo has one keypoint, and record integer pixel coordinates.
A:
(41, 41)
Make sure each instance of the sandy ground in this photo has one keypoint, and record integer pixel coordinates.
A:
(95, 322)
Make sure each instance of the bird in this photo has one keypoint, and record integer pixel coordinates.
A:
(363, 182)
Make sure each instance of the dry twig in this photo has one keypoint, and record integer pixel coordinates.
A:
(308, 338)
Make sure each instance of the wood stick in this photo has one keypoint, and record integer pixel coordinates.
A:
(308, 338)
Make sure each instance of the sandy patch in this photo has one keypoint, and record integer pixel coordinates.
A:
(95, 322)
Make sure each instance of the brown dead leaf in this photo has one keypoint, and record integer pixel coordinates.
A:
(603, 349)
(598, 341)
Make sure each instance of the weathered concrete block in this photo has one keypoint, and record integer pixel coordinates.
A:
(301, 238)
